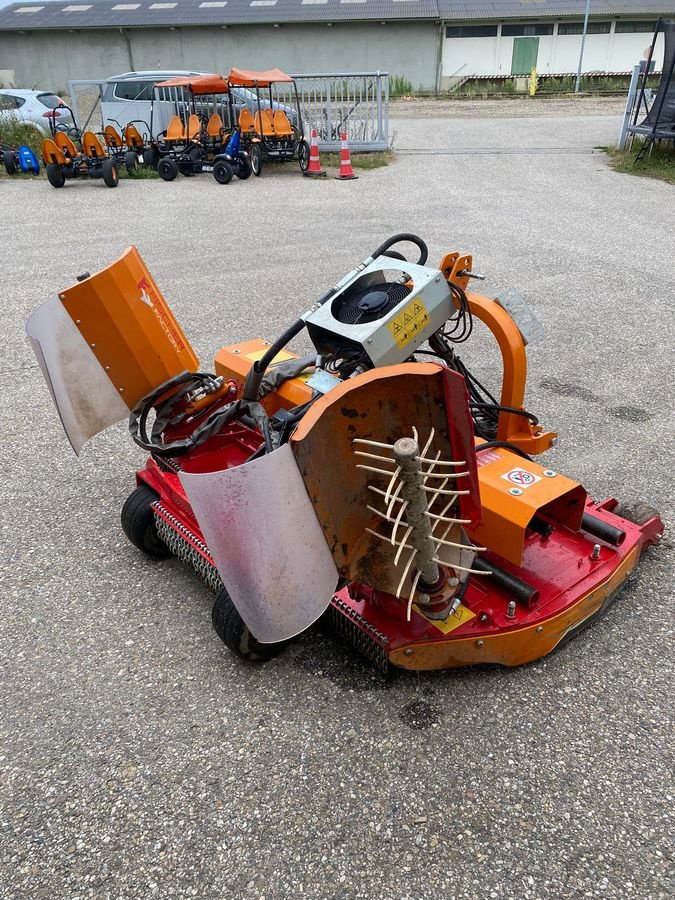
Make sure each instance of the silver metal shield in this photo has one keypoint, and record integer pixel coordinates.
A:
(266, 542)
(85, 398)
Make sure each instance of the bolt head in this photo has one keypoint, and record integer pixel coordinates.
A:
(516, 492)
(479, 643)
(539, 629)
(549, 473)
(408, 651)
(424, 598)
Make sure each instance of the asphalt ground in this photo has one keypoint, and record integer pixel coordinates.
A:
(139, 759)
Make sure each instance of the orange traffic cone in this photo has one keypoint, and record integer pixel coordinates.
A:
(314, 169)
(346, 172)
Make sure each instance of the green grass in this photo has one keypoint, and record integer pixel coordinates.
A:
(17, 133)
(143, 172)
(399, 86)
(660, 164)
(359, 160)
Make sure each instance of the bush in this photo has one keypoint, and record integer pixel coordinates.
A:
(16, 133)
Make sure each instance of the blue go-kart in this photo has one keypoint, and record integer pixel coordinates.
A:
(20, 161)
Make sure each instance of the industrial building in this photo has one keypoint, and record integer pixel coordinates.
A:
(432, 44)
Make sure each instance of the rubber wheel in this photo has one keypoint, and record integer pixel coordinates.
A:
(150, 158)
(110, 172)
(255, 154)
(243, 169)
(303, 155)
(131, 162)
(9, 162)
(55, 175)
(222, 171)
(232, 631)
(167, 169)
(138, 523)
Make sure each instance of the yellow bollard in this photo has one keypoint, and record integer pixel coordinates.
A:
(534, 82)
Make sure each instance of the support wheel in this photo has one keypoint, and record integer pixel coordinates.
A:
(55, 175)
(242, 168)
(255, 152)
(303, 155)
(222, 171)
(110, 173)
(150, 158)
(167, 169)
(232, 631)
(131, 162)
(138, 523)
(9, 162)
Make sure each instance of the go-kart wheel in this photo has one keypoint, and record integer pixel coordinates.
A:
(138, 523)
(255, 153)
(110, 173)
(303, 155)
(55, 175)
(190, 163)
(9, 162)
(232, 631)
(242, 168)
(150, 158)
(131, 162)
(167, 168)
(222, 171)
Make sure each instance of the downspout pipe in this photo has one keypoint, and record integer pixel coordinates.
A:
(439, 56)
(125, 38)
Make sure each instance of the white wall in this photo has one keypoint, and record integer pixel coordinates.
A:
(558, 54)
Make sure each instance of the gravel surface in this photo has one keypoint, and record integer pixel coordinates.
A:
(139, 759)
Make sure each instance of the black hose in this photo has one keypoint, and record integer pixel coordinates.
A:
(257, 371)
(403, 236)
(504, 445)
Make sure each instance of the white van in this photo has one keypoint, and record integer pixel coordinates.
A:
(129, 98)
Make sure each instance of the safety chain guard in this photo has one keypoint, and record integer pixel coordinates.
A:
(358, 632)
(184, 544)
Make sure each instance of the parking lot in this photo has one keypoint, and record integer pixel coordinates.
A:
(139, 759)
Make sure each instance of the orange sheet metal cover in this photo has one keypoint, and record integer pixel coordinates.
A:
(199, 84)
(513, 490)
(121, 314)
(382, 405)
(248, 78)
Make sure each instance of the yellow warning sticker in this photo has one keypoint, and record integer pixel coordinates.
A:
(461, 615)
(408, 323)
(281, 356)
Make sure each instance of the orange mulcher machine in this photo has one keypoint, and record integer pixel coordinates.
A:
(375, 481)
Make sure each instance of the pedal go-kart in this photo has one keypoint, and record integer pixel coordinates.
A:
(118, 149)
(207, 142)
(63, 160)
(396, 496)
(21, 160)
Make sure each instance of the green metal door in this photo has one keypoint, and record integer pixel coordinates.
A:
(524, 58)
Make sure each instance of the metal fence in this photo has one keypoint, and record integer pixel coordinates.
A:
(356, 103)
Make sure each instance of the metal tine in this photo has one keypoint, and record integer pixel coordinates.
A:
(371, 487)
(442, 562)
(373, 456)
(429, 474)
(440, 492)
(378, 512)
(383, 537)
(428, 443)
(379, 471)
(408, 611)
(395, 497)
(405, 572)
(401, 510)
(402, 545)
(443, 518)
(438, 540)
(391, 483)
(442, 462)
(372, 443)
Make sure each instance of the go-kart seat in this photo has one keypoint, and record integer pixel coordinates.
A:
(194, 127)
(282, 127)
(175, 130)
(214, 127)
(92, 146)
(264, 124)
(132, 138)
(65, 145)
(112, 137)
(246, 122)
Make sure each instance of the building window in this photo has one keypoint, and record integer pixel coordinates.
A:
(635, 27)
(578, 28)
(523, 30)
(468, 31)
